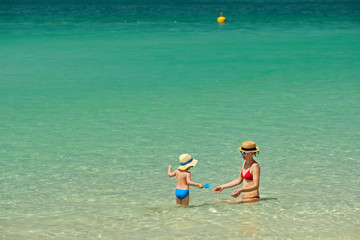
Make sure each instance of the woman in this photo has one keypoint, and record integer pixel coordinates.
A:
(249, 175)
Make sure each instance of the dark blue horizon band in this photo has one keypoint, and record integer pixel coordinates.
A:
(187, 162)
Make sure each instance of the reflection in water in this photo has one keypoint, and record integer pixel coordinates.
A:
(250, 226)
(250, 223)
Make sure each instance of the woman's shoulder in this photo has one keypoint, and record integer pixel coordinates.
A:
(255, 164)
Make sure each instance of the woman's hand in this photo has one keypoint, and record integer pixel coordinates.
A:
(200, 186)
(236, 193)
(218, 189)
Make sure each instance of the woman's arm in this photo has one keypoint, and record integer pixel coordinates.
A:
(171, 174)
(254, 186)
(189, 182)
(233, 183)
(230, 184)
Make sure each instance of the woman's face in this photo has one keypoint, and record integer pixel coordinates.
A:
(247, 155)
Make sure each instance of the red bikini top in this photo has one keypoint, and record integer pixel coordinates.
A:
(248, 175)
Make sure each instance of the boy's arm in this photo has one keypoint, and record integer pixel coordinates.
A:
(171, 174)
(189, 182)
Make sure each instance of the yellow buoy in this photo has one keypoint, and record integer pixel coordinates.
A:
(221, 19)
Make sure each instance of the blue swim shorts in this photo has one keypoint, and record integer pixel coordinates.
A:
(181, 193)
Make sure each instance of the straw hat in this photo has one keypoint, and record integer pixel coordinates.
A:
(248, 146)
(186, 161)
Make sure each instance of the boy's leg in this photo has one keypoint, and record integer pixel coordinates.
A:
(178, 201)
(186, 200)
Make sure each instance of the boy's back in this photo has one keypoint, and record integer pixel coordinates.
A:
(181, 176)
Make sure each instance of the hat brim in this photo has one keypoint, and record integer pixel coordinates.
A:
(244, 150)
(193, 163)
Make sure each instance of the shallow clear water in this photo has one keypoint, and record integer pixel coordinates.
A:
(94, 109)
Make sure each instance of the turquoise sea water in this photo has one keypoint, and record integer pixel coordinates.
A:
(97, 99)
